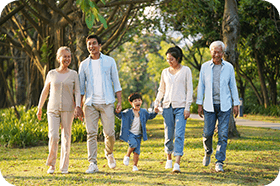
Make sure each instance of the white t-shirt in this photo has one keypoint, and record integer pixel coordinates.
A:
(136, 126)
(98, 96)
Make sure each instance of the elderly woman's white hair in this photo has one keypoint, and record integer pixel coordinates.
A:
(217, 44)
(58, 53)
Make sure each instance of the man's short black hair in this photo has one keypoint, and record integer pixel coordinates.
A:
(94, 36)
(134, 96)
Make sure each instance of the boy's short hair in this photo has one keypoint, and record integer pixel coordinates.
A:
(134, 96)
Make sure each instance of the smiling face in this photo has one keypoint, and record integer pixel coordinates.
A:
(136, 103)
(217, 54)
(93, 48)
(64, 58)
(173, 62)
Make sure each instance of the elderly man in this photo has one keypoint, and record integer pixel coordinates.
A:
(216, 90)
(98, 73)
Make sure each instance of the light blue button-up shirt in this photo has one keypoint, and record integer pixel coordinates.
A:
(110, 77)
(228, 88)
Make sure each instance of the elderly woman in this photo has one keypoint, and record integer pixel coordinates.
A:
(176, 89)
(61, 83)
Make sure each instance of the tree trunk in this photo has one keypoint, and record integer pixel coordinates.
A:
(231, 29)
(261, 78)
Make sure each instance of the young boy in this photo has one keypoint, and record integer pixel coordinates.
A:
(134, 127)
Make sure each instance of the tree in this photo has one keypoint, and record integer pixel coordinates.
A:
(39, 28)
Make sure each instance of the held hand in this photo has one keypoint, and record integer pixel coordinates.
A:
(187, 114)
(200, 111)
(39, 114)
(156, 109)
(78, 113)
(235, 111)
(119, 107)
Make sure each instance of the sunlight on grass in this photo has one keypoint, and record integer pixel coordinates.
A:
(252, 159)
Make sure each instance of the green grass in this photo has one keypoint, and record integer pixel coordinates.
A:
(252, 159)
(270, 119)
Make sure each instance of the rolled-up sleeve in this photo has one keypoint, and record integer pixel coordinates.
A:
(82, 79)
(200, 88)
(115, 77)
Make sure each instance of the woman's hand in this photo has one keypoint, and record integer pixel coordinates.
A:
(186, 114)
(156, 109)
(39, 114)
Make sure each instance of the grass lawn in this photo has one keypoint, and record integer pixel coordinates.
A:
(252, 159)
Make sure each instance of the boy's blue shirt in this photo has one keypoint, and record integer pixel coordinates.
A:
(127, 117)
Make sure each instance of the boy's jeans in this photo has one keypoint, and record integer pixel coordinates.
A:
(174, 125)
(210, 119)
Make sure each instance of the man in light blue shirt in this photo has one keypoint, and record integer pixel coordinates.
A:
(99, 82)
(216, 90)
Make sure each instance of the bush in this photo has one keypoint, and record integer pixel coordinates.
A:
(29, 131)
(273, 110)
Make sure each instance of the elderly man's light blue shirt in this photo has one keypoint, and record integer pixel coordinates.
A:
(110, 79)
(228, 88)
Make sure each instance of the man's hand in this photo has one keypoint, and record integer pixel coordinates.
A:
(186, 114)
(235, 111)
(78, 113)
(119, 107)
(156, 109)
(200, 111)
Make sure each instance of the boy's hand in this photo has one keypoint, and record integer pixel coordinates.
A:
(156, 109)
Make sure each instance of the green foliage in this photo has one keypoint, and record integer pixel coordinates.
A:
(91, 11)
(29, 131)
(46, 51)
(273, 110)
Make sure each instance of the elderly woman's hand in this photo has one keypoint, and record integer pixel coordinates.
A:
(39, 114)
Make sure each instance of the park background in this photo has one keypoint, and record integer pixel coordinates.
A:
(137, 34)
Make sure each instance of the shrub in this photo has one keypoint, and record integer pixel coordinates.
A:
(29, 131)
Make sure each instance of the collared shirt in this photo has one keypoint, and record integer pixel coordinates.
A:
(228, 88)
(109, 76)
(127, 117)
(176, 90)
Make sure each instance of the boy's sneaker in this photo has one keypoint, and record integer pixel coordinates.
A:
(126, 160)
(219, 167)
(206, 159)
(168, 164)
(134, 168)
(92, 168)
(111, 160)
(176, 167)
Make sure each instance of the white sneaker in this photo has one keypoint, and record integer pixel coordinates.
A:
(176, 167)
(126, 160)
(111, 160)
(64, 172)
(168, 164)
(219, 167)
(134, 168)
(51, 170)
(92, 168)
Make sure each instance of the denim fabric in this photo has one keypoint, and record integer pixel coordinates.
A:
(210, 119)
(174, 127)
(127, 117)
(134, 141)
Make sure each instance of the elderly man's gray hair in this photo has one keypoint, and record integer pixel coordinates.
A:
(217, 44)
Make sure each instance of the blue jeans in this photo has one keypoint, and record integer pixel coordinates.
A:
(134, 141)
(210, 119)
(174, 126)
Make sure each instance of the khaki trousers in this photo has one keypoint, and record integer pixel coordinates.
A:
(55, 119)
(92, 115)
